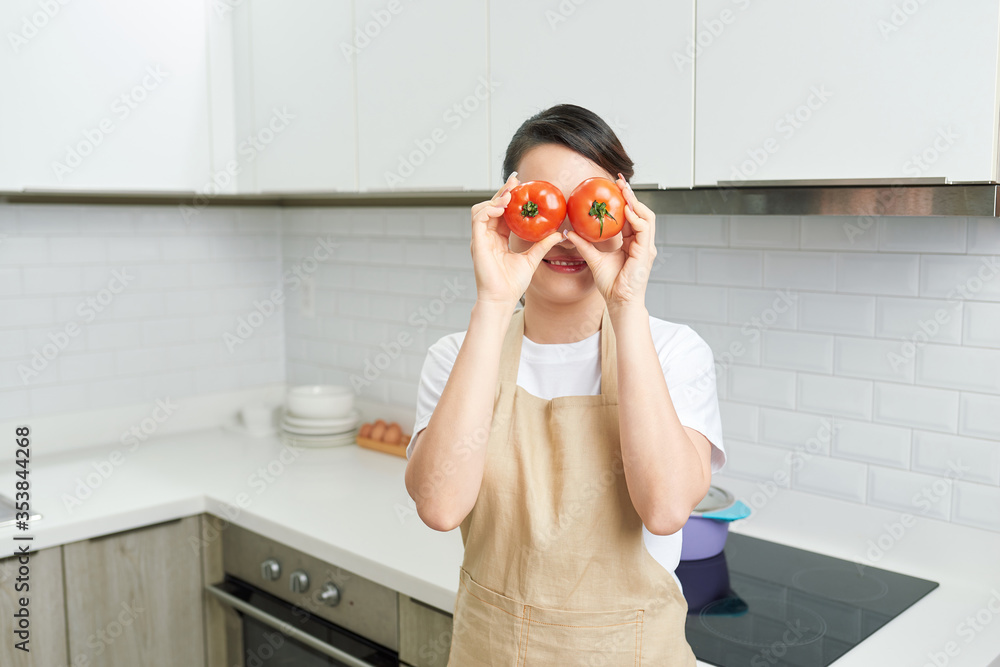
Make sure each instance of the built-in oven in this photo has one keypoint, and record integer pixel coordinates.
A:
(282, 607)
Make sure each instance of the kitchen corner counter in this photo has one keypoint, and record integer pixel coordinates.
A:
(349, 506)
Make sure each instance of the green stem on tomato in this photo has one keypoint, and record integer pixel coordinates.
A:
(529, 210)
(599, 210)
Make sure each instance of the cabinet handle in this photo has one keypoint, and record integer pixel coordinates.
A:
(285, 628)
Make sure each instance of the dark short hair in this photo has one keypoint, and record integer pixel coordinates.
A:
(578, 129)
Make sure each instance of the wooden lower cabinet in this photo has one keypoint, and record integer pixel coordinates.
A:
(135, 598)
(46, 610)
(424, 633)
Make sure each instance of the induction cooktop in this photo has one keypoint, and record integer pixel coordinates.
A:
(762, 604)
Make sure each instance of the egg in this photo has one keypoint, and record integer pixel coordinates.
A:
(378, 430)
(365, 430)
(393, 433)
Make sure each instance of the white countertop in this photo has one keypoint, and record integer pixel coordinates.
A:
(349, 506)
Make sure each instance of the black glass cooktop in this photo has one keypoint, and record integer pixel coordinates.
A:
(760, 604)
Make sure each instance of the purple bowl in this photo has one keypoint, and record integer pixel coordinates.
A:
(703, 538)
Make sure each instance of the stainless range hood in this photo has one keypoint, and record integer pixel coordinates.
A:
(855, 198)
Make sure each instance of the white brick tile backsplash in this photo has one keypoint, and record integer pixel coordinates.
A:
(837, 313)
(739, 420)
(54, 399)
(910, 492)
(12, 343)
(926, 234)
(695, 302)
(10, 282)
(87, 366)
(800, 270)
(729, 344)
(919, 320)
(740, 268)
(797, 351)
(697, 230)
(75, 250)
(979, 415)
(758, 310)
(796, 430)
(984, 236)
(764, 231)
(869, 273)
(871, 443)
(831, 477)
(675, 264)
(976, 505)
(834, 395)
(836, 232)
(747, 460)
(956, 456)
(919, 407)
(51, 280)
(953, 367)
(763, 386)
(873, 359)
(981, 324)
(13, 404)
(969, 277)
(24, 250)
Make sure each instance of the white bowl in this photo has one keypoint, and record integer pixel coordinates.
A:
(320, 401)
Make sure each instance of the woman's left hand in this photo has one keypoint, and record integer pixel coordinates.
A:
(621, 275)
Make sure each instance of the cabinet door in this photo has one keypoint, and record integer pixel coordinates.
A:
(104, 95)
(424, 633)
(46, 609)
(879, 89)
(295, 120)
(630, 64)
(423, 94)
(135, 598)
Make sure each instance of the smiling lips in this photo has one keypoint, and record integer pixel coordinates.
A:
(566, 264)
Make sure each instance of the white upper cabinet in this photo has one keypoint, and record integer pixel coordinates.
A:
(854, 89)
(295, 120)
(108, 95)
(628, 62)
(422, 93)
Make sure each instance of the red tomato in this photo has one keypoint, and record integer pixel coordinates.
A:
(597, 209)
(536, 209)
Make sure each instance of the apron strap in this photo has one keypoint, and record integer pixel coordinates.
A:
(609, 359)
(510, 354)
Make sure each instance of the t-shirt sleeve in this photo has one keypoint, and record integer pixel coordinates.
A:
(689, 369)
(433, 377)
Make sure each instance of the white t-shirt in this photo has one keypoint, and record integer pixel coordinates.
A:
(548, 370)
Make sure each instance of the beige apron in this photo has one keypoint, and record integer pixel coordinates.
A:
(555, 571)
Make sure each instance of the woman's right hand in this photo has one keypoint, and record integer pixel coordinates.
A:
(502, 276)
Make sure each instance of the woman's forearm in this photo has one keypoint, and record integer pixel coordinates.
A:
(445, 470)
(665, 474)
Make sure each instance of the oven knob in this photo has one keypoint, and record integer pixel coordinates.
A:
(298, 581)
(329, 595)
(270, 570)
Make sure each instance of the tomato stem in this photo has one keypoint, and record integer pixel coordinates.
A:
(599, 209)
(529, 210)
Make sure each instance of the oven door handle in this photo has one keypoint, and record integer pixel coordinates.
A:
(284, 628)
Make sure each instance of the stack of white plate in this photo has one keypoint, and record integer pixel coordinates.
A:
(319, 416)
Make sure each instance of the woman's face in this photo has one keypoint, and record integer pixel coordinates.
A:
(565, 169)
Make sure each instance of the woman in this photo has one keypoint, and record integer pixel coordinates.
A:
(569, 439)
